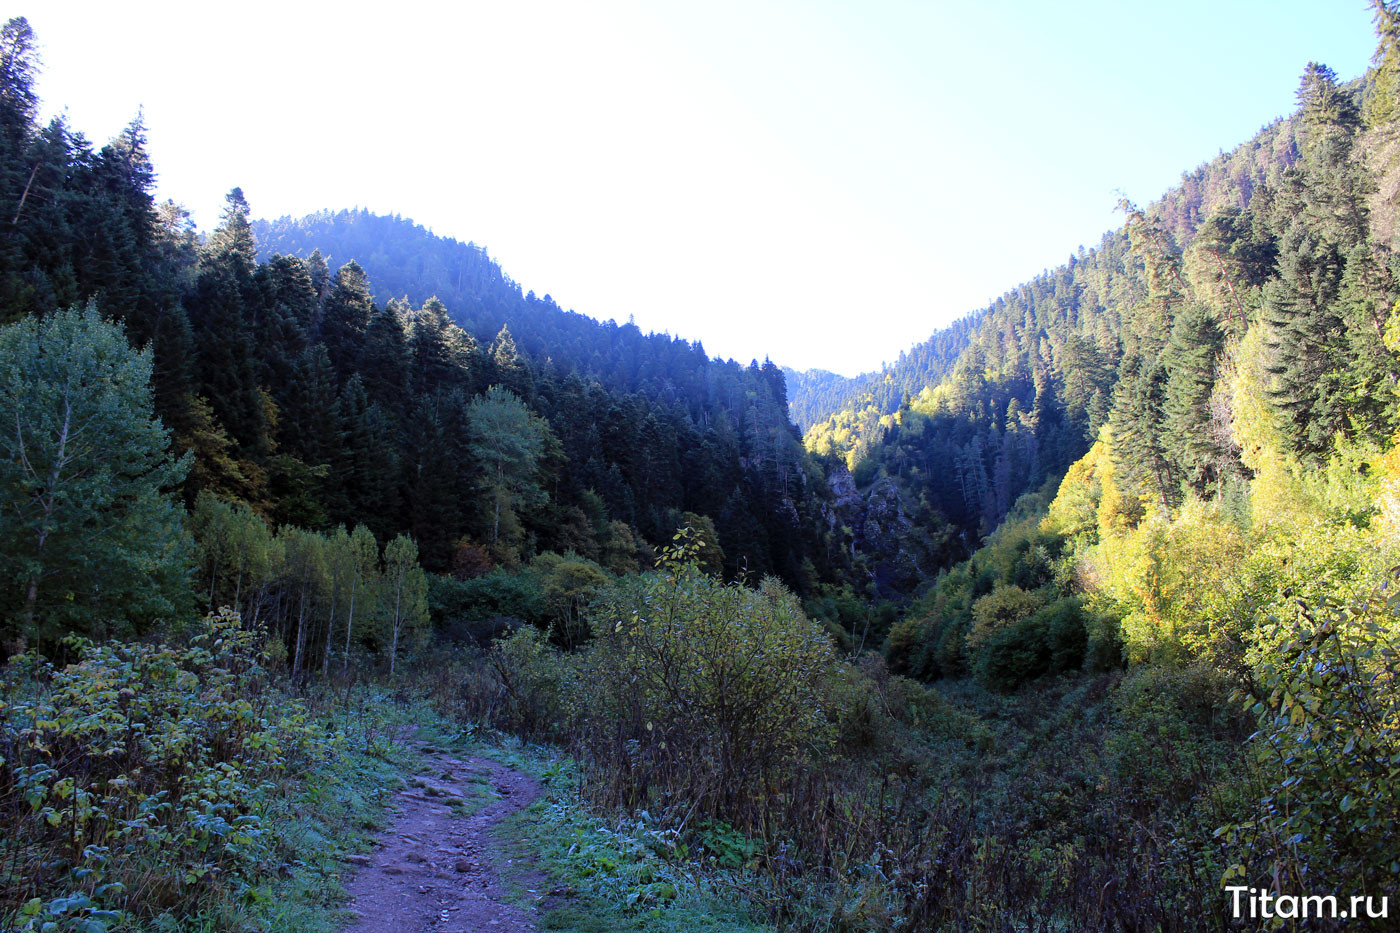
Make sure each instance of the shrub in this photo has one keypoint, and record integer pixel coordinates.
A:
(135, 778)
(461, 605)
(1000, 609)
(699, 691)
(530, 680)
(1050, 640)
(1329, 746)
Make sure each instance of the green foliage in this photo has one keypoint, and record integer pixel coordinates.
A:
(404, 598)
(137, 779)
(509, 442)
(484, 606)
(1051, 639)
(568, 583)
(1002, 608)
(320, 595)
(700, 691)
(94, 542)
(623, 874)
(1383, 102)
(530, 684)
(989, 599)
(1328, 704)
(1191, 359)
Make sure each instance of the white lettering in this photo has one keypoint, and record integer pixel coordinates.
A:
(1263, 904)
(1318, 901)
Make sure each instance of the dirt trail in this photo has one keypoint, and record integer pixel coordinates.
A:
(432, 870)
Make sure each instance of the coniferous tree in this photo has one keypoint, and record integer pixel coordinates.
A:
(19, 65)
(364, 480)
(1190, 359)
(346, 317)
(1137, 422)
(507, 367)
(288, 303)
(444, 356)
(383, 358)
(234, 233)
(1307, 337)
(437, 470)
(222, 311)
(1366, 295)
(1383, 103)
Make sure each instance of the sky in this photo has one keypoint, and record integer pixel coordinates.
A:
(821, 183)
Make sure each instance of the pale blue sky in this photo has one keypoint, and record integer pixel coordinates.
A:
(823, 183)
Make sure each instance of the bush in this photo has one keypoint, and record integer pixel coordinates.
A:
(135, 779)
(1329, 747)
(530, 679)
(466, 607)
(1050, 640)
(701, 692)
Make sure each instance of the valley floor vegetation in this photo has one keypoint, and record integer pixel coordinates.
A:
(1097, 623)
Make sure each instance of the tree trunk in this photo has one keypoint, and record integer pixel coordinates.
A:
(330, 633)
(398, 625)
(301, 633)
(350, 622)
(496, 522)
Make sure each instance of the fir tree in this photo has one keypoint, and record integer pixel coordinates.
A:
(348, 309)
(1190, 359)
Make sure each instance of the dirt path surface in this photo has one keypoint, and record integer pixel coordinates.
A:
(432, 870)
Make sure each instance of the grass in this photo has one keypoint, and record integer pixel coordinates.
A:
(576, 870)
(333, 811)
(604, 876)
(611, 880)
(583, 873)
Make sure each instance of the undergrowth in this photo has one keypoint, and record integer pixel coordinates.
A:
(587, 873)
(177, 787)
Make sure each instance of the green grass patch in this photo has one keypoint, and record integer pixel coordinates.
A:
(337, 812)
(593, 875)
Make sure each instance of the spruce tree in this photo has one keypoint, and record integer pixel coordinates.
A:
(221, 311)
(1140, 457)
(383, 358)
(1307, 338)
(288, 304)
(349, 307)
(1190, 359)
(507, 367)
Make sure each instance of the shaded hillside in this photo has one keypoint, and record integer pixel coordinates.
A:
(815, 395)
(405, 260)
(306, 396)
(846, 413)
(1041, 368)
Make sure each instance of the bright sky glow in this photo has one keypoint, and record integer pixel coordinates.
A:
(821, 183)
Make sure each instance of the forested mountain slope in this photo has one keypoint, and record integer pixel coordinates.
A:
(1091, 632)
(1134, 331)
(816, 395)
(308, 398)
(649, 424)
